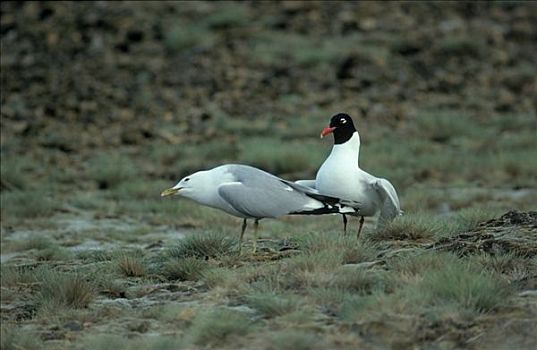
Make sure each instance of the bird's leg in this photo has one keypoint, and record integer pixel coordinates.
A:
(360, 227)
(344, 224)
(242, 234)
(256, 225)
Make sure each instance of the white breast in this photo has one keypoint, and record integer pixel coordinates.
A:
(340, 176)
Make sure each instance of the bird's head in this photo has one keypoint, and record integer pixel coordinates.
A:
(342, 126)
(187, 186)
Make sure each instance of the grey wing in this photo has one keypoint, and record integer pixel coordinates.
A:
(269, 200)
(307, 183)
(390, 207)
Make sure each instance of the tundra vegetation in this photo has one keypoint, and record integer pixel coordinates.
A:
(106, 104)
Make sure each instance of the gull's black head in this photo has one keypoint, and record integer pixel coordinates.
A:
(341, 126)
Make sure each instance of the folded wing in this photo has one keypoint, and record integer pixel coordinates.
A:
(390, 207)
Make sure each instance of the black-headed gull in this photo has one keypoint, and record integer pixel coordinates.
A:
(340, 176)
(251, 193)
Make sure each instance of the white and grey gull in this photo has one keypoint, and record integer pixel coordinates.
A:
(250, 193)
(340, 176)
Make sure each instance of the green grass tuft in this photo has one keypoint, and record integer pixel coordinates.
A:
(202, 245)
(218, 325)
(295, 340)
(358, 280)
(58, 289)
(185, 269)
(15, 338)
(409, 227)
(272, 304)
(27, 204)
(460, 284)
(117, 342)
(38, 242)
(13, 173)
(183, 36)
(53, 253)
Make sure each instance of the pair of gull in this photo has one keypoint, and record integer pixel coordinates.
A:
(340, 187)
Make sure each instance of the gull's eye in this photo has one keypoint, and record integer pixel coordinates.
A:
(343, 120)
(187, 179)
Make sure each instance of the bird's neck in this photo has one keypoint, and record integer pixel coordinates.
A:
(349, 149)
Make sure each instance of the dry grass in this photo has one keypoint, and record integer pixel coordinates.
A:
(59, 289)
(131, 265)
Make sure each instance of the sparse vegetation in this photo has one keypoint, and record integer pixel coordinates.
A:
(131, 265)
(93, 258)
(203, 245)
(14, 338)
(185, 269)
(27, 204)
(218, 325)
(12, 174)
(110, 170)
(59, 289)
(458, 283)
(294, 340)
(280, 157)
(271, 304)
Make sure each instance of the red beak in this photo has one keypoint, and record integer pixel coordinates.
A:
(327, 131)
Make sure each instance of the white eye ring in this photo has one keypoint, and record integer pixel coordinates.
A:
(343, 121)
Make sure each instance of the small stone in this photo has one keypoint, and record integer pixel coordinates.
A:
(73, 326)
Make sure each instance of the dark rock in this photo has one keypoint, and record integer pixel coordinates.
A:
(73, 326)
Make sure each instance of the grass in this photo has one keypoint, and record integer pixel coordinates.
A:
(218, 325)
(69, 290)
(227, 15)
(27, 204)
(424, 227)
(280, 157)
(345, 246)
(202, 245)
(294, 340)
(37, 242)
(310, 51)
(183, 36)
(443, 114)
(439, 286)
(110, 170)
(118, 342)
(131, 265)
(358, 281)
(14, 338)
(185, 269)
(460, 284)
(13, 276)
(272, 304)
(53, 253)
(13, 173)
(409, 227)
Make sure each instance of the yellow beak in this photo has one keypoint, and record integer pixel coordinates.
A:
(169, 192)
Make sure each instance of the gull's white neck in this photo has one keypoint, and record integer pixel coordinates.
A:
(349, 149)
